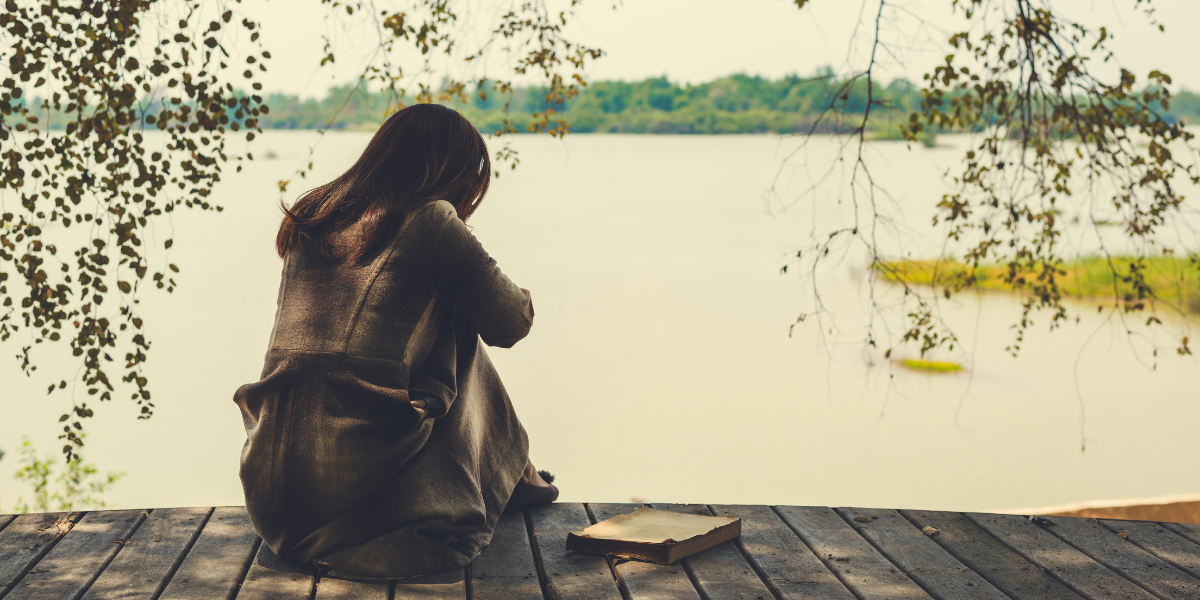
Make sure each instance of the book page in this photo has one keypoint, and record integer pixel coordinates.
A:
(650, 526)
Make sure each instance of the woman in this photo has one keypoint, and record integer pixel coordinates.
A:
(381, 443)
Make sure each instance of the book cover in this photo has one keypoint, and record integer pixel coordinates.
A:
(653, 535)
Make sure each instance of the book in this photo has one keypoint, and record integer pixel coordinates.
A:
(657, 536)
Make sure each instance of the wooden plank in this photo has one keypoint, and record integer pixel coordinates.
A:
(934, 569)
(450, 585)
(329, 588)
(145, 564)
(1137, 565)
(1181, 552)
(218, 560)
(1073, 568)
(506, 569)
(790, 569)
(644, 579)
(273, 578)
(721, 572)
(568, 574)
(27, 539)
(79, 557)
(1191, 532)
(854, 560)
(5, 520)
(984, 554)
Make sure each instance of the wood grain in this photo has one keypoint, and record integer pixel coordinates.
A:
(450, 585)
(75, 561)
(273, 578)
(784, 552)
(569, 574)
(1191, 532)
(924, 561)
(645, 579)
(1124, 557)
(506, 570)
(984, 554)
(218, 560)
(1073, 568)
(28, 538)
(721, 572)
(789, 568)
(145, 564)
(350, 589)
(855, 561)
(1156, 539)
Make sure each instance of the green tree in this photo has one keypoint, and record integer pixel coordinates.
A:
(79, 486)
(1053, 138)
(116, 114)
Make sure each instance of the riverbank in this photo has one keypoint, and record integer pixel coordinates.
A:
(1170, 280)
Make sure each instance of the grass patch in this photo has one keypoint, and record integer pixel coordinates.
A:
(888, 132)
(1170, 279)
(931, 366)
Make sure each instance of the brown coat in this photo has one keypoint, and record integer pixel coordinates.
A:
(339, 469)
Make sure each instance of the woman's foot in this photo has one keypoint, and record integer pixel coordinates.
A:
(532, 489)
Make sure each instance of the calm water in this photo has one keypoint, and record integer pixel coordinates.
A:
(660, 365)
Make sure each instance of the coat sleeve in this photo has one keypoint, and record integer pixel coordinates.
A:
(471, 280)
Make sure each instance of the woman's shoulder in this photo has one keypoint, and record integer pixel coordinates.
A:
(435, 213)
(434, 223)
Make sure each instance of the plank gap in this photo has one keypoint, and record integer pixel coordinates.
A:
(179, 561)
(824, 560)
(312, 592)
(622, 587)
(1120, 555)
(982, 552)
(1149, 548)
(1191, 532)
(5, 520)
(850, 522)
(468, 588)
(1098, 560)
(737, 543)
(237, 590)
(691, 575)
(537, 556)
(71, 517)
(142, 519)
(1073, 586)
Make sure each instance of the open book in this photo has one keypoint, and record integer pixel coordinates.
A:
(657, 536)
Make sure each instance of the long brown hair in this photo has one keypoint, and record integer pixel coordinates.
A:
(422, 152)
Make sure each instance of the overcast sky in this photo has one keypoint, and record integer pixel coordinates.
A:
(693, 41)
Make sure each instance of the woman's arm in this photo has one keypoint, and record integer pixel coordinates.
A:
(471, 280)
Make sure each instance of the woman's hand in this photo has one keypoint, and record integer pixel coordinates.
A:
(420, 406)
(426, 406)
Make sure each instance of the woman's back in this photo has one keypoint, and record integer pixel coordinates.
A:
(339, 467)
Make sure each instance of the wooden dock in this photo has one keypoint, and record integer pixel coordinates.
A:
(784, 552)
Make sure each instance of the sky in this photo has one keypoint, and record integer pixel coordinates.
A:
(692, 41)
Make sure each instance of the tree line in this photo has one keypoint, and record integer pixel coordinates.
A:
(735, 104)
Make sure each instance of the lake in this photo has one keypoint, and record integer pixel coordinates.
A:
(660, 366)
